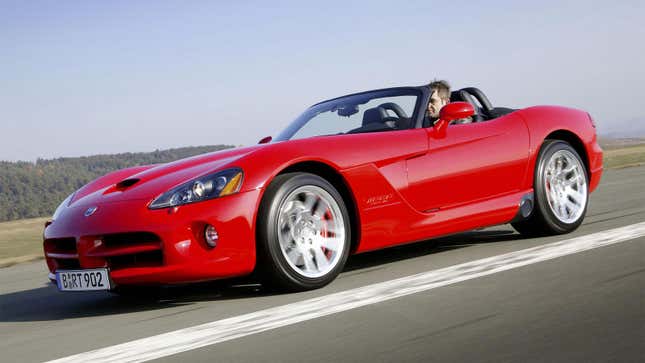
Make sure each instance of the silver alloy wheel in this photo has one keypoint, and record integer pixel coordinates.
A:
(565, 183)
(311, 231)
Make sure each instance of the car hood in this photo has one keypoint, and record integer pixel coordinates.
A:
(148, 182)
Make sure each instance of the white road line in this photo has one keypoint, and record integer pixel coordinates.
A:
(198, 336)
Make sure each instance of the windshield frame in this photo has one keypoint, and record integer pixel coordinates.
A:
(308, 114)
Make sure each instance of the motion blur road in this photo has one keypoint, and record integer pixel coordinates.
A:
(587, 306)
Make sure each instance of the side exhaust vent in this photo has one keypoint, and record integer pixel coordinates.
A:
(527, 204)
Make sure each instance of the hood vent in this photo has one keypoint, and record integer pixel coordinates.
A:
(126, 183)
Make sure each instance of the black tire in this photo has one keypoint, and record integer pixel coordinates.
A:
(272, 267)
(543, 221)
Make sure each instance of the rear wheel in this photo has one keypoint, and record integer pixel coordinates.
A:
(561, 191)
(303, 233)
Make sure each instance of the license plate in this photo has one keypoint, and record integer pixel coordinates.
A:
(83, 280)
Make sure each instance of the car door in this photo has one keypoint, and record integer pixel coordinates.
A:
(469, 163)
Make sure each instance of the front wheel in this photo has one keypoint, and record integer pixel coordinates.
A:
(303, 233)
(561, 191)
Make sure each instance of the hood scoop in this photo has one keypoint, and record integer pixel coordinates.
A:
(126, 183)
(121, 186)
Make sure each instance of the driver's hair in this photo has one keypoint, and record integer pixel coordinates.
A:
(443, 87)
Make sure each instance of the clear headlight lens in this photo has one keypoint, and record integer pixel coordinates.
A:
(207, 187)
(62, 206)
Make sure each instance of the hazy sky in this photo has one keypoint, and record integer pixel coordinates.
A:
(88, 77)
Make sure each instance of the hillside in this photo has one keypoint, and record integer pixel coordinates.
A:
(29, 190)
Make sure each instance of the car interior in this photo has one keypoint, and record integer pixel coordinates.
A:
(484, 110)
(386, 116)
(390, 116)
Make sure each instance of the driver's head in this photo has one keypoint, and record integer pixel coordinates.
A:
(439, 97)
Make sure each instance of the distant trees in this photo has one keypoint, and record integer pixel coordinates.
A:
(29, 190)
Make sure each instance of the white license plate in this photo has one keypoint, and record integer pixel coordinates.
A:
(83, 280)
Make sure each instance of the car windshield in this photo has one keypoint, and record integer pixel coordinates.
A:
(384, 110)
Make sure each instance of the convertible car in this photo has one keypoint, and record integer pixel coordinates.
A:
(351, 174)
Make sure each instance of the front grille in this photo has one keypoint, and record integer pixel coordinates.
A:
(129, 239)
(62, 253)
(60, 245)
(126, 250)
(144, 259)
(116, 251)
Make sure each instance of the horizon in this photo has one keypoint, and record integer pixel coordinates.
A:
(86, 78)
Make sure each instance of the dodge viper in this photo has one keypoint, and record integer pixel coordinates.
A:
(351, 174)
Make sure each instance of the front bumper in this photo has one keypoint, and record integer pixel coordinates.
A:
(155, 247)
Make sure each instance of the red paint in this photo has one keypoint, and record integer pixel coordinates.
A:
(456, 110)
(407, 185)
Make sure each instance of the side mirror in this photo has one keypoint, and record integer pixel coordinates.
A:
(455, 111)
(265, 140)
(450, 112)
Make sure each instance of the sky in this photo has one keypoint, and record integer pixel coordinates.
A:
(93, 77)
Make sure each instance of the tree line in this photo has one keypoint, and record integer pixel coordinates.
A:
(29, 190)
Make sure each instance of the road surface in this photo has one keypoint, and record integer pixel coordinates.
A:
(584, 306)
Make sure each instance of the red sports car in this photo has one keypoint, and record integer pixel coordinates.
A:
(351, 174)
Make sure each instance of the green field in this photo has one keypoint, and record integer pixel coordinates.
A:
(624, 157)
(21, 240)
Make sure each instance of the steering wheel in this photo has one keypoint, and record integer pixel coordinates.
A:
(394, 108)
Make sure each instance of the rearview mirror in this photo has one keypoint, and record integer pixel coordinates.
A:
(265, 140)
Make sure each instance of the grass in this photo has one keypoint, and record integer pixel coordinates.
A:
(624, 157)
(21, 240)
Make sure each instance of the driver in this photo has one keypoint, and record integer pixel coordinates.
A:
(439, 97)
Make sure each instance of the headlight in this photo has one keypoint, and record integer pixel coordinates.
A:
(207, 187)
(62, 206)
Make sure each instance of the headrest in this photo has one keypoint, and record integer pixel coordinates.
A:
(467, 97)
(480, 96)
(374, 115)
(455, 97)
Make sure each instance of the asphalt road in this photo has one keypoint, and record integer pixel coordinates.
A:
(587, 306)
